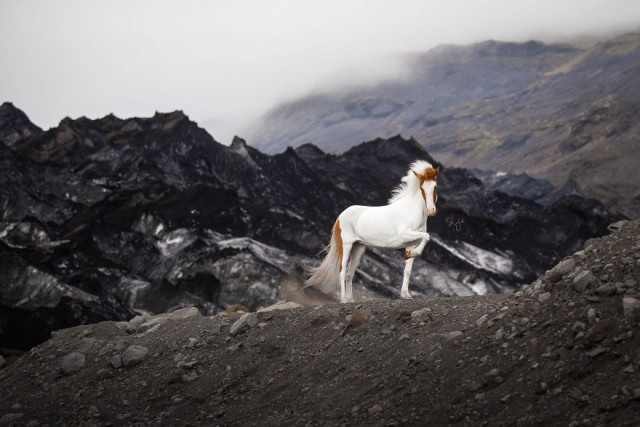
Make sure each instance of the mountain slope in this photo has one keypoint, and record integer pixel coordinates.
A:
(556, 112)
(104, 217)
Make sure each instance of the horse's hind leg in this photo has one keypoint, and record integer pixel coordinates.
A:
(346, 253)
(356, 253)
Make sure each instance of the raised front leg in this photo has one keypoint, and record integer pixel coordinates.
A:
(404, 292)
(409, 255)
(417, 251)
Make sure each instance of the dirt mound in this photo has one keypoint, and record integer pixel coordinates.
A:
(562, 351)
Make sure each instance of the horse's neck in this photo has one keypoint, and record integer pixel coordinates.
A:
(412, 204)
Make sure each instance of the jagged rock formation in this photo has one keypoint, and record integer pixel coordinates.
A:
(556, 112)
(104, 217)
(561, 351)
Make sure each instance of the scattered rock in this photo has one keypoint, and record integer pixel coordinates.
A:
(544, 297)
(247, 321)
(375, 409)
(108, 347)
(597, 333)
(122, 325)
(187, 365)
(185, 313)
(596, 352)
(423, 313)
(631, 308)
(190, 377)
(452, 336)
(152, 324)
(133, 324)
(234, 308)
(116, 361)
(72, 363)
(10, 418)
(134, 354)
(583, 280)
(606, 290)
(579, 326)
(103, 374)
(280, 306)
(616, 225)
(480, 321)
(359, 317)
(564, 267)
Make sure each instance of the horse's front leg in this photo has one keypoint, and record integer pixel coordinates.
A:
(408, 265)
(409, 255)
(417, 251)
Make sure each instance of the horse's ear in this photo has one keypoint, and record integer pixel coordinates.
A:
(437, 170)
(416, 174)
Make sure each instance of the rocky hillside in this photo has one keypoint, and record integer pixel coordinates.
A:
(561, 351)
(101, 219)
(556, 112)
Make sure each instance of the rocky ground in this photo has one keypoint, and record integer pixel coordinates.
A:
(562, 351)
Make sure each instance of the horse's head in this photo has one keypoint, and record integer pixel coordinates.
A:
(429, 187)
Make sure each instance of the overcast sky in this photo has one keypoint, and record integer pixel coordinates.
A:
(226, 62)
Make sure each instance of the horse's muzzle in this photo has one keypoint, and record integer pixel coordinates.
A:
(431, 211)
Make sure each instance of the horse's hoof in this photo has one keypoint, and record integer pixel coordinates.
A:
(406, 296)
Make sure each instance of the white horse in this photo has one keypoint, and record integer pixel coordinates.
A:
(401, 224)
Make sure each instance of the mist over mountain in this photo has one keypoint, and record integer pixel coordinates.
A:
(104, 218)
(557, 112)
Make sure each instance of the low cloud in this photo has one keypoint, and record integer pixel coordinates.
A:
(227, 62)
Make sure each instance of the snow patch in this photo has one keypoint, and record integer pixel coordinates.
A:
(175, 241)
(479, 258)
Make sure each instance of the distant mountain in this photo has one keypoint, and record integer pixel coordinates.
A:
(103, 218)
(556, 112)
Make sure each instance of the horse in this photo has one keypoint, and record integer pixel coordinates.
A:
(401, 224)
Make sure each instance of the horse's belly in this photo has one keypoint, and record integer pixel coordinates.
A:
(378, 228)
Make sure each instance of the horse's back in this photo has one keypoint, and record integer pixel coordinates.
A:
(352, 214)
(363, 221)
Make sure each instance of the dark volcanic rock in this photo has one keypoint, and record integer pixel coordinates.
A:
(15, 125)
(520, 185)
(103, 217)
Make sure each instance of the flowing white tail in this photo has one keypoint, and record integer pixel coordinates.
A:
(402, 224)
(328, 273)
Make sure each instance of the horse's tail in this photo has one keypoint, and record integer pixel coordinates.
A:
(327, 275)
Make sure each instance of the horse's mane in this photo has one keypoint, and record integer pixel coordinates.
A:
(410, 182)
